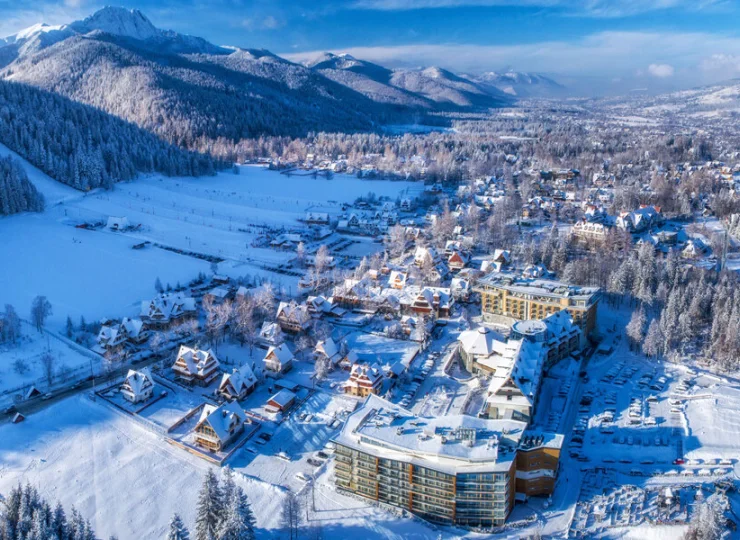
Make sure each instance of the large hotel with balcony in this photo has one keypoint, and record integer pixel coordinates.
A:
(456, 469)
(506, 298)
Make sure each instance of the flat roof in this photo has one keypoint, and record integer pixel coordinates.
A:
(455, 443)
(544, 287)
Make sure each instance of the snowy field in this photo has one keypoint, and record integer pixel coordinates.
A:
(68, 363)
(96, 273)
(128, 481)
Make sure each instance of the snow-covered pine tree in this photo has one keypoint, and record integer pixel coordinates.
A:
(17, 193)
(238, 521)
(210, 508)
(177, 531)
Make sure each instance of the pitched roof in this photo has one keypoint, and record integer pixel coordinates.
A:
(222, 418)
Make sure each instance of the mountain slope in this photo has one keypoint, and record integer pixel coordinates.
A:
(519, 84)
(427, 88)
(180, 87)
(84, 147)
(371, 80)
(447, 89)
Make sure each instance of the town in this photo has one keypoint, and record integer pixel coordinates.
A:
(426, 335)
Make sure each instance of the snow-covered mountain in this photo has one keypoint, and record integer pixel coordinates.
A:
(431, 87)
(519, 84)
(184, 88)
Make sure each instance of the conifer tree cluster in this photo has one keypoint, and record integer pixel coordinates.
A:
(25, 515)
(17, 193)
(84, 147)
(223, 512)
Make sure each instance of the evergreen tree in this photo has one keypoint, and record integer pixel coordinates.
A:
(238, 521)
(178, 531)
(210, 508)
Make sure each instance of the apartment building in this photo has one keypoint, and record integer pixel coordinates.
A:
(455, 469)
(506, 298)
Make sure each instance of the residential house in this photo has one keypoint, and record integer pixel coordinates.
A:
(194, 366)
(167, 309)
(327, 350)
(219, 426)
(397, 279)
(293, 318)
(437, 301)
(238, 384)
(271, 334)
(138, 386)
(279, 359)
(364, 380)
(114, 335)
(319, 306)
(457, 260)
(640, 220)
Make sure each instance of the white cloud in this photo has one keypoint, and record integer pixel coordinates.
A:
(585, 8)
(661, 71)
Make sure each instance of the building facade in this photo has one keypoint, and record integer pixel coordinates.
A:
(508, 298)
(450, 470)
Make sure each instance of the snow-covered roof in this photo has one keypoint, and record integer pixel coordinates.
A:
(283, 398)
(195, 361)
(137, 381)
(455, 443)
(241, 379)
(281, 352)
(223, 418)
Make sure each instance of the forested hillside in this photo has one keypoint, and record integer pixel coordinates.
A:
(17, 193)
(82, 146)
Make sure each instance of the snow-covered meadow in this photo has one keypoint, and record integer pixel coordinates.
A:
(96, 273)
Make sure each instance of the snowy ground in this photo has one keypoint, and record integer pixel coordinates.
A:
(96, 273)
(69, 362)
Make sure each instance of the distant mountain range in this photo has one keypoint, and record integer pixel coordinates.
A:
(189, 91)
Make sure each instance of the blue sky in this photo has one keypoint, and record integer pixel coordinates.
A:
(658, 44)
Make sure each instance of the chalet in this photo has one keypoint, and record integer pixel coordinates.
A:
(319, 306)
(327, 350)
(293, 318)
(436, 301)
(18, 418)
(405, 205)
(218, 279)
(397, 279)
(279, 359)
(218, 295)
(286, 241)
(194, 366)
(237, 384)
(167, 309)
(219, 426)
(425, 255)
(460, 288)
(281, 402)
(640, 220)
(317, 218)
(534, 271)
(112, 336)
(451, 246)
(364, 380)
(271, 334)
(457, 260)
(138, 386)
